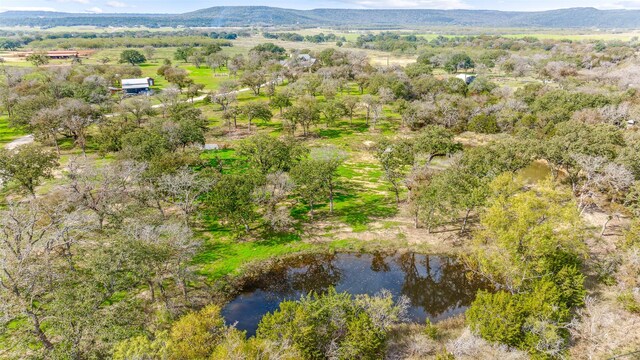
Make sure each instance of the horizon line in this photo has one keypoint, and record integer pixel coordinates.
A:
(312, 9)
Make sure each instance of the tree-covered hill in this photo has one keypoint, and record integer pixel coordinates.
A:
(263, 15)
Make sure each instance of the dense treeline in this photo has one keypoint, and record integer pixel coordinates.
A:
(401, 42)
(11, 40)
(105, 43)
(317, 38)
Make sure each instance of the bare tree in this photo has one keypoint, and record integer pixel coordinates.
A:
(271, 195)
(102, 191)
(351, 104)
(46, 125)
(376, 115)
(149, 51)
(368, 102)
(386, 95)
(138, 108)
(183, 190)
(29, 244)
(226, 94)
(169, 97)
(172, 246)
(77, 117)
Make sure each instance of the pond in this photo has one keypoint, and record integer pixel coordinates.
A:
(535, 172)
(437, 287)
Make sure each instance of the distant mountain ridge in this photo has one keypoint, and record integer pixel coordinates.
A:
(270, 16)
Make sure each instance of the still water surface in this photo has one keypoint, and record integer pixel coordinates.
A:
(437, 286)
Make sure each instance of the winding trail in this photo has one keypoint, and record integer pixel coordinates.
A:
(27, 139)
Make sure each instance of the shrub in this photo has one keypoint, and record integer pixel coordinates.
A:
(629, 302)
(533, 321)
(431, 331)
(332, 324)
(484, 124)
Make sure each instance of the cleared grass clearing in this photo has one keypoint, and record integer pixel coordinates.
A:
(8, 133)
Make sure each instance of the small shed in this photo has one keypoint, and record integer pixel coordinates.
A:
(137, 86)
(467, 78)
(59, 54)
(302, 60)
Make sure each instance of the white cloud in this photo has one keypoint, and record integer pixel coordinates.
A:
(94, 10)
(26, 8)
(74, 1)
(117, 4)
(625, 4)
(410, 4)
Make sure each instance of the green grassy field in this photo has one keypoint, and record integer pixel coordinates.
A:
(8, 133)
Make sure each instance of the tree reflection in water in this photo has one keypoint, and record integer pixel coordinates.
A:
(437, 286)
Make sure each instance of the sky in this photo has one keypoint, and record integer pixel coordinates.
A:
(172, 6)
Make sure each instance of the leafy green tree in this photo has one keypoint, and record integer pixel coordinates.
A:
(417, 69)
(269, 48)
(256, 110)
(192, 337)
(310, 182)
(38, 59)
(316, 323)
(269, 154)
(530, 245)
(46, 125)
(434, 141)
(425, 196)
(481, 85)
(529, 234)
(254, 80)
(111, 133)
(133, 57)
(210, 49)
(183, 53)
(458, 61)
(333, 110)
(231, 199)
(280, 100)
(498, 157)
(197, 58)
(144, 144)
(629, 155)
(573, 138)
(190, 129)
(306, 113)
(455, 86)
(27, 166)
(394, 156)
(484, 124)
(535, 321)
(179, 77)
(445, 196)
(194, 90)
(22, 112)
(328, 160)
(364, 340)
(139, 108)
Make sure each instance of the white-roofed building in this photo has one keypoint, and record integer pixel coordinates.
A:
(467, 78)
